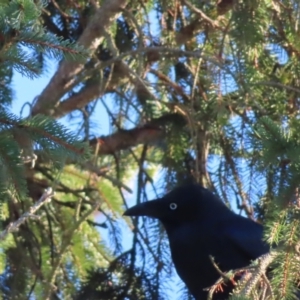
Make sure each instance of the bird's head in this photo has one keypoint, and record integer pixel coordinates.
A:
(183, 204)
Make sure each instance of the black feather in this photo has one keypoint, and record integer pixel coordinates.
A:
(198, 225)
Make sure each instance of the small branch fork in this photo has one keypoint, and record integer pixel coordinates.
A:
(30, 214)
(252, 276)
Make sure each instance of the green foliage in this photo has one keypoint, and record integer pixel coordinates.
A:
(22, 38)
(237, 297)
(200, 90)
(111, 199)
(12, 169)
(40, 134)
(286, 268)
(250, 22)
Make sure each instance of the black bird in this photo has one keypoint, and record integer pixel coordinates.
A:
(198, 224)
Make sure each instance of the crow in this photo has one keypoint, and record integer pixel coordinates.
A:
(200, 225)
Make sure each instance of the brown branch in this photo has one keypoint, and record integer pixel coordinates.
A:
(90, 39)
(65, 49)
(78, 100)
(201, 14)
(150, 133)
(86, 95)
(227, 148)
(55, 4)
(91, 92)
(172, 84)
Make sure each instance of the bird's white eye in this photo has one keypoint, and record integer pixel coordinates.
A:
(173, 206)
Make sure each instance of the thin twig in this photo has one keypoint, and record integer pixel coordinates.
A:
(51, 286)
(14, 226)
(93, 168)
(201, 13)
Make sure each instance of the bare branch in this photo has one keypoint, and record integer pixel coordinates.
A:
(91, 38)
(14, 226)
(201, 13)
(150, 133)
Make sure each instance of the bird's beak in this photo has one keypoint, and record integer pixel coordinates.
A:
(149, 209)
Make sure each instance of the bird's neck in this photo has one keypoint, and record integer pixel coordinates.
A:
(170, 227)
(178, 229)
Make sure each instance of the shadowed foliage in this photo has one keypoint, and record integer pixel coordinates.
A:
(147, 95)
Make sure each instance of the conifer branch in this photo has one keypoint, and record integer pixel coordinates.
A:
(30, 214)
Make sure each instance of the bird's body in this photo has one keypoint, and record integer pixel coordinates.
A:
(191, 248)
(199, 225)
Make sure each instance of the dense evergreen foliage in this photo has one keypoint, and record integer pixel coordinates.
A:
(207, 90)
